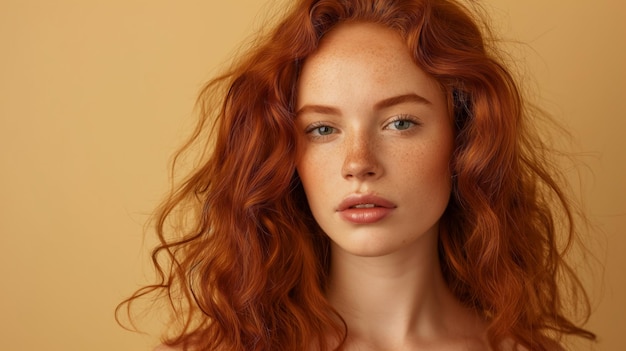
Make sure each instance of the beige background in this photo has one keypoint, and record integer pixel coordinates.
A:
(96, 94)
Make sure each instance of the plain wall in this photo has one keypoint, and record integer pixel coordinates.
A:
(95, 96)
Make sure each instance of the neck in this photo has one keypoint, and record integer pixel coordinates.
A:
(393, 298)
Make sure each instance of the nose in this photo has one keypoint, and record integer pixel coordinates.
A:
(361, 161)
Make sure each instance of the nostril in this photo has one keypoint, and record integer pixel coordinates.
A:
(361, 162)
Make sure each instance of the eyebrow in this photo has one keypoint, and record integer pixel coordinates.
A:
(389, 102)
(400, 99)
(321, 109)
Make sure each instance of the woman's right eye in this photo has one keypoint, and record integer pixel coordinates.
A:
(320, 130)
(324, 130)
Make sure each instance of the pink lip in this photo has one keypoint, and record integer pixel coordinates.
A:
(347, 210)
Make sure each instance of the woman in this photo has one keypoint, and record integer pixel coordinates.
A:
(372, 184)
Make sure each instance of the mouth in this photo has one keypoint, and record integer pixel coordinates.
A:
(364, 201)
(364, 209)
(364, 206)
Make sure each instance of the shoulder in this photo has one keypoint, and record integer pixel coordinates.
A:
(166, 348)
(510, 345)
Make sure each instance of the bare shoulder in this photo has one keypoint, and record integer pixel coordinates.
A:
(166, 348)
(510, 345)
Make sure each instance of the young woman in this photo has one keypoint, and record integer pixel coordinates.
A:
(372, 184)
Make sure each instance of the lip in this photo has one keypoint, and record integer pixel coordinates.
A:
(347, 210)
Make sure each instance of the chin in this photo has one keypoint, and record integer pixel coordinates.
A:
(370, 242)
(369, 247)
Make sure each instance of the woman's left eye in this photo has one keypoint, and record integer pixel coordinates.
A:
(401, 123)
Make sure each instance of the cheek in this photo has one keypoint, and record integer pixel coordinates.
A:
(429, 169)
(316, 163)
(318, 168)
(310, 170)
(441, 173)
(302, 162)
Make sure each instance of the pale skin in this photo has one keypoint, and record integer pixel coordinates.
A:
(370, 121)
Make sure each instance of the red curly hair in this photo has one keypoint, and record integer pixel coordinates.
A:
(246, 265)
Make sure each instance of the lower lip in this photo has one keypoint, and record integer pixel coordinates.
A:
(365, 215)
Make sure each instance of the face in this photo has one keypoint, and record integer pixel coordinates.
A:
(374, 142)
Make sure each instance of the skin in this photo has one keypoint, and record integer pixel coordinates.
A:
(385, 278)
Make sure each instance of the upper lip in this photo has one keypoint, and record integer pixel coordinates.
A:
(360, 199)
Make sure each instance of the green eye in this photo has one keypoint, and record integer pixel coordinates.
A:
(402, 124)
(324, 130)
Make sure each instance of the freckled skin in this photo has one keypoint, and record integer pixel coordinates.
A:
(364, 151)
(384, 279)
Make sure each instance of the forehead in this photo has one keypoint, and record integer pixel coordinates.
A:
(363, 36)
(366, 59)
(360, 42)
